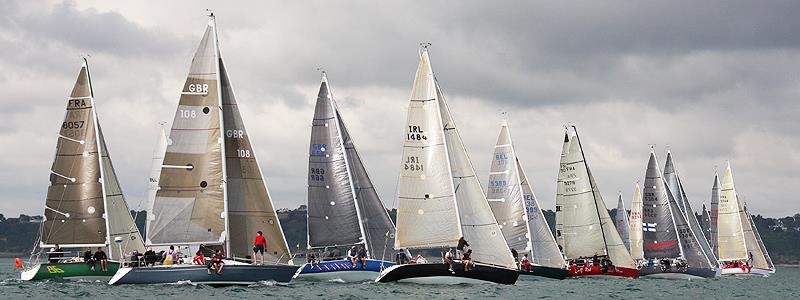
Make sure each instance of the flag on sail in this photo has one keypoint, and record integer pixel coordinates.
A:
(650, 227)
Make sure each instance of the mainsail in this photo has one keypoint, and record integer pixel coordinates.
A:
(676, 187)
(730, 232)
(636, 233)
(714, 216)
(583, 225)
(621, 220)
(515, 206)
(84, 205)
(211, 190)
(440, 197)
(343, 206)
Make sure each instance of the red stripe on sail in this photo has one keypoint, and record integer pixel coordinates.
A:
(661, 245)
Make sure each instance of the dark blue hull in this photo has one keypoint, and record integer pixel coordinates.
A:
(343, 270)
(675, 273)
(231, 275)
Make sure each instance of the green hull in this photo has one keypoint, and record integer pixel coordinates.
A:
(68, 270)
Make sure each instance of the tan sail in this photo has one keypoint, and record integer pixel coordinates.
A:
(637, 240)
(730, 233)
(759, 259)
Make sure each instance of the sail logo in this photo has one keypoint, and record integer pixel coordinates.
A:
(54, 270)
(649, 227)
(318, 150)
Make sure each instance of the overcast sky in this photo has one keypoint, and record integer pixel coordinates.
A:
(714, 81)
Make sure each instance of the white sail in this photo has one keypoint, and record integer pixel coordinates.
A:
(730, 234)
(636, 237)
(770, 266)
(754, 249)
(621, 220)
(155, 174)
(504, 193)
(426, 214)
(544, 250)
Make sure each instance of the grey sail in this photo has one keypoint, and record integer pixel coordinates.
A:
(767, 261)
(75, 203)
(505, 195)
(155, 173)
(689, 244)
(705, 224)
(332, 215)
(544, 250)
(120, 222)
(714, 213)
(660, 236)
(378, 227)
(754, 250)
(189, 205)
(621, 220)
(676, 187)
(250, 207)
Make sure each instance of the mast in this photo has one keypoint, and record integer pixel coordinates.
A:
(346, 161)
(213, 23)
(592, 184)
(99, 156)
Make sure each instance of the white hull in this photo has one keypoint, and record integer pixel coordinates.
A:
(677, 276)
(28, 274)
(739, 272)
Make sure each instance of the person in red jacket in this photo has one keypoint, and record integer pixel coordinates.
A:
(199, 259)
(259, 247)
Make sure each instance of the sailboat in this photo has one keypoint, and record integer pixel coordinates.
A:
(440, 197)
(212, 195)
(676, 187)
(671, 249)
(343, 206)
(741, 251)
(85, 207)
(584, 229)
(518, 212)
(621, 219)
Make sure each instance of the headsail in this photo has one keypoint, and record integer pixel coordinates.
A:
(621, 220)
(120, 222)
(705, 224)
(250, 206)
(755, 250)
(676, 187)
(75, 204)
(505, 195)
(155, 174)
(189, 205)
(730, 233)
(543, 245)
(636, 229)
(763, 249)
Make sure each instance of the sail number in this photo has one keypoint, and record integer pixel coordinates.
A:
(316, 174)
(72, 125)
(237, 134)
(501, 158)
(187, 113)
(318, 149)
(415, 133)
(198, 88)
(243, 152)
(413, 163)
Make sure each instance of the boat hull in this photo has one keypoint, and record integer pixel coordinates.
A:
(440, 274)
(547, 272)
(232, 274)
(597, 271)
(76, 270)
(342, 270)
(688, 273)
(741, 272)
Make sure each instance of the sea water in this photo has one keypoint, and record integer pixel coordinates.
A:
(785, 284)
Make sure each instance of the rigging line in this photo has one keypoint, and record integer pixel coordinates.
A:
(72, 179)
(72, 140)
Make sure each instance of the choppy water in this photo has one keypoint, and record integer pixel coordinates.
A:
(785, 284)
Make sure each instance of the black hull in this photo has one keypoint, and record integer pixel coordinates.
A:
(231, 275)
(673, 273)
(547, 272)
(425, 271)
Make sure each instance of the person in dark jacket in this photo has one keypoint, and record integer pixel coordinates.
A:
(460, 247)
(101, 257)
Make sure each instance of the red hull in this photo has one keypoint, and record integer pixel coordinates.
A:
(576, 271)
